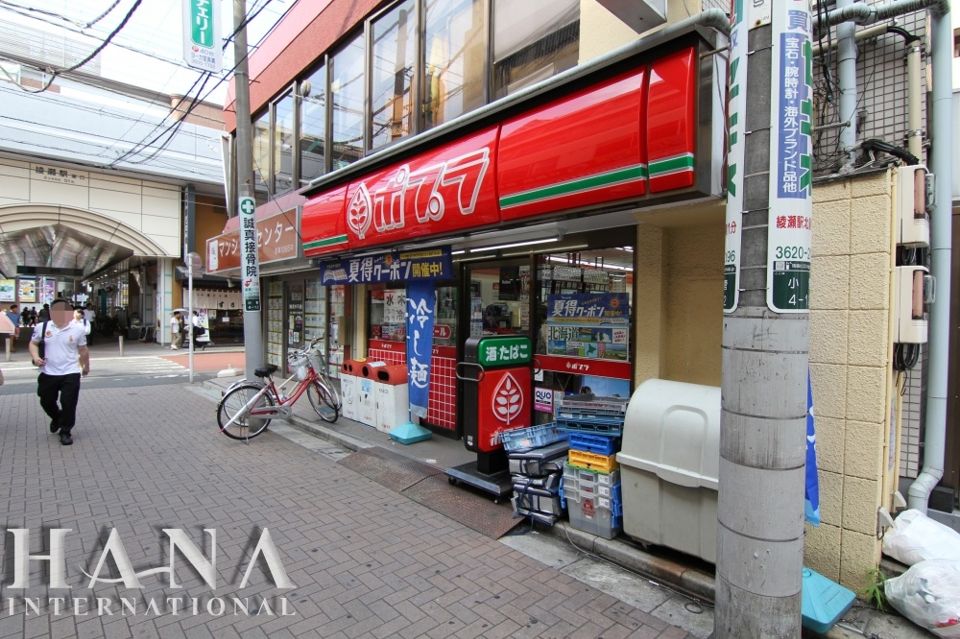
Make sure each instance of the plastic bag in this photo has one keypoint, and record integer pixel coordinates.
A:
(915, 538)
(929, 595)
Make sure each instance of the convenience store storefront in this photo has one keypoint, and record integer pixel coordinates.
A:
(525, 220)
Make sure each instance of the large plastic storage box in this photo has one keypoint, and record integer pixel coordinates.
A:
(669, 462)
(350, 388)
(539, 461)
(596, 515)
(392, 397)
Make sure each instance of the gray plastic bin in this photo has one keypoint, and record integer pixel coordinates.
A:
(669, 462)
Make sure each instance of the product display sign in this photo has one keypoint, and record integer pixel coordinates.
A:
(421, 300)
(395, 266)
(8, 290)
(789, 231)
(588, 307)
(589, 340)
(28, 290)
(504, 350)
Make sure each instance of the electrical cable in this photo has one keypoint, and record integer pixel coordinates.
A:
(92, 55)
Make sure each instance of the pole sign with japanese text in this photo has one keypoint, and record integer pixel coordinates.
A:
(395, 266)
(249, 260)
(421, 302)
(790, 216)
(201, 35)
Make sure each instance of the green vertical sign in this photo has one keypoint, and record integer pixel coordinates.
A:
(201, 19)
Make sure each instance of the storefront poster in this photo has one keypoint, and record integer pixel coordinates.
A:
(589, 340)
(543, 400)
(421, 301)
(48, 290)
(28, 291)
(396, 266)
(8, 290)
(588, 307)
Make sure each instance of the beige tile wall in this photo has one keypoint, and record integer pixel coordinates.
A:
(850, 356)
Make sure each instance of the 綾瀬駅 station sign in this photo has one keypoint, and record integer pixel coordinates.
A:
(645, 131)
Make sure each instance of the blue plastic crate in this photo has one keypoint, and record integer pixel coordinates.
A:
(520, 439)
(596, 425)
(600, 443)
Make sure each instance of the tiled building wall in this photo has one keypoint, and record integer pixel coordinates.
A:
(850, 357)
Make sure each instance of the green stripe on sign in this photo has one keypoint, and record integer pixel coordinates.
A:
(327, 241)
(579, 185)
(675, 164)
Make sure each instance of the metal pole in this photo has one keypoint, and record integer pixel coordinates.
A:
(848, 85)
(249, 259)
(9, 346)
(189, 321)
(765, 329)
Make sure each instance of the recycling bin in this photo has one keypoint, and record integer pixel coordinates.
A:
(350, 388)
(392, 397)
(367, 398)
(669, 464)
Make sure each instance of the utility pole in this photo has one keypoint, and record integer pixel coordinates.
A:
(765, 331)
(246, 204)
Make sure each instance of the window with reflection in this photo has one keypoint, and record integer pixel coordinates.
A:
(346, 100)
(313, 125)
(533, 40)
(261, 153)
(455, 59)
(393, 63)
(283, 144)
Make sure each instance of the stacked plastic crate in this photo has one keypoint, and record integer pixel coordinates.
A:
(535, 457)
(591, 476)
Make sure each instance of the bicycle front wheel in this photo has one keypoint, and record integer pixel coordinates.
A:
(324, 402)
(244, 426)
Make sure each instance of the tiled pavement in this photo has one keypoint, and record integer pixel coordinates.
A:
(365, 561)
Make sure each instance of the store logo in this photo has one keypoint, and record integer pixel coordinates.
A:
(507, 399)
(113, 566)
(423, 194)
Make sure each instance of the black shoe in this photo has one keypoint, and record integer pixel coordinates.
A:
(54, 427)
(66, 439)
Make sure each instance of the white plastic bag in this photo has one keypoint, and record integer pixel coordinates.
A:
(915, 538)
(929, 595)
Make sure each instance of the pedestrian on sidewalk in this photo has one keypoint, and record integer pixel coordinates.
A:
(176, 330)
(63, 360)
(89, 316)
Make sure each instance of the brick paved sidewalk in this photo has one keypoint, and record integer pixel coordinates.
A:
(365, 562)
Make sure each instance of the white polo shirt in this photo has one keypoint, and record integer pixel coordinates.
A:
(61, 351)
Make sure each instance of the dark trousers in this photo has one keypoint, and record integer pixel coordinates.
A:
(66, 389)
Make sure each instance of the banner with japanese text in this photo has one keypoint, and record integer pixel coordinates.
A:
(395, 266)
(588, 307)
(789, 230)
(421, 302)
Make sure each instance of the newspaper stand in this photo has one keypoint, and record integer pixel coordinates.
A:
(496, 381)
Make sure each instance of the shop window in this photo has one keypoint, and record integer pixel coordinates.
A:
(346, 100)
(394, 59)
(445, 325)
(455, 59)
(532, 41)
(499, 300)
(261, 153)
(283, 144)
(313, 125)
(388, 312)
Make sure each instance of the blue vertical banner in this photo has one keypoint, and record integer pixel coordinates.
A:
(421, 302)
(811, 493)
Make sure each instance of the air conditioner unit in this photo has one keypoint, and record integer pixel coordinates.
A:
(913, 289)
(913, 220)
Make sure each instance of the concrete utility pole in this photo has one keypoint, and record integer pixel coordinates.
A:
(246, 204)
(765, 332)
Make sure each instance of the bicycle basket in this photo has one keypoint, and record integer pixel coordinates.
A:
(299, 365)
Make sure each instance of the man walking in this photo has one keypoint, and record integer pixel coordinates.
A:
(64, 359)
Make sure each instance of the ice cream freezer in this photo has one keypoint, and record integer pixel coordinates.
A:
(669, 462)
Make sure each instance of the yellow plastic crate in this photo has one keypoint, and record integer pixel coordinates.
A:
(593, 461)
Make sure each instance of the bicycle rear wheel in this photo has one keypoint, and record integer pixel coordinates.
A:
(245, 426)
(324, 402)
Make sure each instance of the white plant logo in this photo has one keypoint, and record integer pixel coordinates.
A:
(507, 399)
(360, 212)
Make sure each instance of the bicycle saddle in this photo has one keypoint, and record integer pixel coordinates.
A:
(266, 371)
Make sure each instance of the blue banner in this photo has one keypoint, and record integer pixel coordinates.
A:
(396, 266)
(588, 307)
(811, 493)
(421, 302)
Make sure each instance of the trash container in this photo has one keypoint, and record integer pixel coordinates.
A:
(669, 462)
(367, 399)
(392, 397)
(350, 388)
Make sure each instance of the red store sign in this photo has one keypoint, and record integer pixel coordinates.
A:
(616, 141)
(276, 241)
